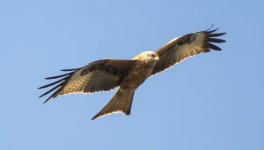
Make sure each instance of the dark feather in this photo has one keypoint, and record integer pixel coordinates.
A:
(52, 89)
(214, 40)
(54, 94)
(215, 34)
(70, 69)
(211, 31)
(52, 83)
(212, 46)
(59, 76)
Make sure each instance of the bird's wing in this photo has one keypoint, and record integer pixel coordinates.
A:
(186, 46)
(101, 75)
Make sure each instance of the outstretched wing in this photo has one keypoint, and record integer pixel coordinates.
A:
(186, 46)
(101, 75)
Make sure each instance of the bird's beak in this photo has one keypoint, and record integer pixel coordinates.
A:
(156, 58)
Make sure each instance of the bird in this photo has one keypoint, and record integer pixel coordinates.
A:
(128, 75)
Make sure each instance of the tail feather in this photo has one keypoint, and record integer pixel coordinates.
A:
(121, 102)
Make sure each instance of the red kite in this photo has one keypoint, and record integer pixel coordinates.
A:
(128, 75)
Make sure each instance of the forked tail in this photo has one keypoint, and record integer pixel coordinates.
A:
(121, 102)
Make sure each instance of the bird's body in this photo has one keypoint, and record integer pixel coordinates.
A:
(128, 75)
(145, 63)
(139, 72)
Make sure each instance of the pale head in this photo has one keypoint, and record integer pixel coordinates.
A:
(147, 56)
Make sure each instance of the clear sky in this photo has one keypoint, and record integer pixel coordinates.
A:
(213, 101)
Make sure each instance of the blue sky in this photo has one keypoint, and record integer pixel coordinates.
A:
(210, 102)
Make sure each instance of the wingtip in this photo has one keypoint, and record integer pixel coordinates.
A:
(47, 99)
(65, 70)
(41, 95)
(93, 118)
(213, 47)
(215, 40)
(210, 27)
(210, 30)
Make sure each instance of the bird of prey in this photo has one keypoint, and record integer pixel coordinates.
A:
(128, 75)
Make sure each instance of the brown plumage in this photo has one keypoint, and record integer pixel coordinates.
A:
(104, 75)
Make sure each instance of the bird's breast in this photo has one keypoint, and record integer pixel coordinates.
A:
(137, 75)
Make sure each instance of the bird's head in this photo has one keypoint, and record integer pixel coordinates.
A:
(147, 57)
